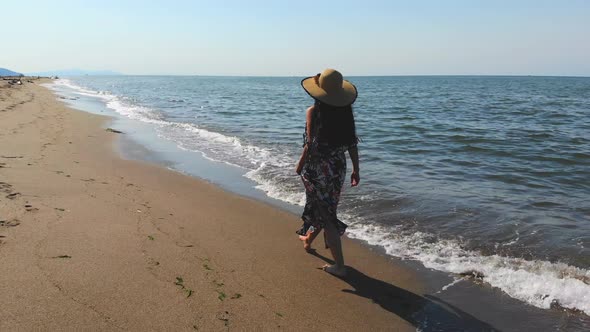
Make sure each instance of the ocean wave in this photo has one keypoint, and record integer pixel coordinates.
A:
(212, 145)
(540, 283)
(270, 187)
(116, 103)
(64, 82)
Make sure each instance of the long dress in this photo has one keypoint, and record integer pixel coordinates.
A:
(323, 177)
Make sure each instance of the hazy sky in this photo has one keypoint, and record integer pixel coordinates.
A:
(299, 37)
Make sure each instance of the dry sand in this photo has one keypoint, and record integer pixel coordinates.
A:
(90, 241)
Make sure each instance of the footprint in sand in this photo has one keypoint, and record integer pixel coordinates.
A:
(5, 187)
(9, 223)
(30, 208)
(223, 316)
(13, 195)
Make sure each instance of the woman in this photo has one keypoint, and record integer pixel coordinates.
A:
(330, 131)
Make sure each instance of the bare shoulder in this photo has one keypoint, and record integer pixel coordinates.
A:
(310, 111)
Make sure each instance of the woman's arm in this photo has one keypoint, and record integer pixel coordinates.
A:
(355, 177)
(308, 130)
(301, 162)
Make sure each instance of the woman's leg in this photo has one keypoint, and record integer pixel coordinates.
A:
(335, 244)
(309, 237)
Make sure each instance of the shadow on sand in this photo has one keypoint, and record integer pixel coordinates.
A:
(426, 313)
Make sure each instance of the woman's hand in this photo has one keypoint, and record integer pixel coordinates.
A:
(355, 178)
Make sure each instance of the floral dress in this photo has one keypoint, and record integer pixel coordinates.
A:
(323, 177)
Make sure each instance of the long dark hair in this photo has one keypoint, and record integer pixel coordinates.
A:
(337, 126)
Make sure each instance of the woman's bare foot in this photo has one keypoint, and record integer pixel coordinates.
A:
(335, 270)
(306, 244)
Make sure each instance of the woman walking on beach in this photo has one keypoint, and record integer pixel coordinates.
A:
(330, 131)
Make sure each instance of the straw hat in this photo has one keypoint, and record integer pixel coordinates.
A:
(329, 87)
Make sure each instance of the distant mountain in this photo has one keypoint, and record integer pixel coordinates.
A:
(75, 72)
(6, 72)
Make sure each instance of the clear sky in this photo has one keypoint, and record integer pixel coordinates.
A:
(299, 37)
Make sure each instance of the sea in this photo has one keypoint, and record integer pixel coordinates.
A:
(481, 176)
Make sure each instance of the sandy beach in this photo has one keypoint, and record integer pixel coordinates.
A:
(90, 241)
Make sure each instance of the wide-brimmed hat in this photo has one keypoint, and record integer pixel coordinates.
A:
(329, 87)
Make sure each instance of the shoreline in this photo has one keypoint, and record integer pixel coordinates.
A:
(391, 294)
(94, 241)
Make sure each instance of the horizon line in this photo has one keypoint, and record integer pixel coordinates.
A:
(285, 76)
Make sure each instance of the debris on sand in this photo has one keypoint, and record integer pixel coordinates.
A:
(114, 131)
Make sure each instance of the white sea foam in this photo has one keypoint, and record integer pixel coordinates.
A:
(539, 283)
(115, 103)
(67, 83)
(273, 190)
(453, 283)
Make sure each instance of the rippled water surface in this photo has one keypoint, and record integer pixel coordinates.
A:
(461, 173)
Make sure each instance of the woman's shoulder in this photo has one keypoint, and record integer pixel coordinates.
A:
(310, 113)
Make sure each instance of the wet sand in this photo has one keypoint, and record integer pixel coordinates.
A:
(91, 241)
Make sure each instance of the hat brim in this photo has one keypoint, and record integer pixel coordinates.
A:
(343, 97)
